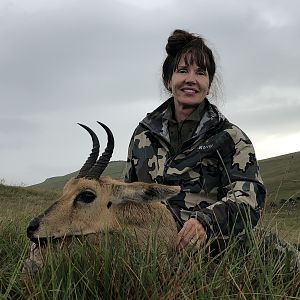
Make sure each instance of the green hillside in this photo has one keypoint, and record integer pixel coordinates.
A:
(115, 169)
(281, 175)
(22, 203)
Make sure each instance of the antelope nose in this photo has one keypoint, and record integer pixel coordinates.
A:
(33, 226)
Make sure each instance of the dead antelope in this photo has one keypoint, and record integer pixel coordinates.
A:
(91, 204)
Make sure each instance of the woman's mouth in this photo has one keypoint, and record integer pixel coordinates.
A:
(189, 91)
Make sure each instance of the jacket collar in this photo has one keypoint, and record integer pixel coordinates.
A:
(158, 125)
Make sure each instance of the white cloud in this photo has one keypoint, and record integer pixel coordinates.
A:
(274, 145)
(147, 4)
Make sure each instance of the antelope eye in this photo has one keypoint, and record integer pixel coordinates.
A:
(85, 197)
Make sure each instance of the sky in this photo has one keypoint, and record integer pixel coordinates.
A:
(69, 61)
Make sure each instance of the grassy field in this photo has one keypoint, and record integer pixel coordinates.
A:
(281, 175)
(115, 269)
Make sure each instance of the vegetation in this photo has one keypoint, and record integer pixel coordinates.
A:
(117, 269)
(114, 270)
(281, 175)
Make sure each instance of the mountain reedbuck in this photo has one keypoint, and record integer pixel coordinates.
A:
(91, 204)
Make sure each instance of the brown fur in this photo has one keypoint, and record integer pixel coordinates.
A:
(118, 205)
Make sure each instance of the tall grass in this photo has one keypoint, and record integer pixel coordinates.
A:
(117, 268)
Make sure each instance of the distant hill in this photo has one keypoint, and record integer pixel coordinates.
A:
(115, 169)
(281, 175)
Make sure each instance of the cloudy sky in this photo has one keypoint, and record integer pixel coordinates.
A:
(69, 61)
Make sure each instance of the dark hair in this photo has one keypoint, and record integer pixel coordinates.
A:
(193, 48)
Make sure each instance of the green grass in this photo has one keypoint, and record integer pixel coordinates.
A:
(281, 175)
(19, 203)
(284, 221)
(117, 269)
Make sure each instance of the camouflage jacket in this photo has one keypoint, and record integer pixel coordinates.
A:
(216, 168)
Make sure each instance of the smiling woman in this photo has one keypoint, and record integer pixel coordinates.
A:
(187, 142)
(189, 85)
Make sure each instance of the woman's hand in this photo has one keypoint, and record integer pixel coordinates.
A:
(192, 233)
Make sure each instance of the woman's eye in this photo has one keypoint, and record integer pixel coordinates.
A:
(201, 72)
(85, 197)
(182, 70)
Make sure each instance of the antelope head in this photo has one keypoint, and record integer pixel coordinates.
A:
(91, 204)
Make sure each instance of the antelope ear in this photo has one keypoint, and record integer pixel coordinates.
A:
(143, 192)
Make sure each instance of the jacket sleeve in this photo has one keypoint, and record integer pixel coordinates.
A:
(241, 194)
(130, 174)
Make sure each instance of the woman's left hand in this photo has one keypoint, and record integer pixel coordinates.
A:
(192, 233)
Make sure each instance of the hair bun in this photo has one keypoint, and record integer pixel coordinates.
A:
(178, 40)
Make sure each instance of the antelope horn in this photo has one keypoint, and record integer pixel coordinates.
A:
(93, 155)
(98, 168)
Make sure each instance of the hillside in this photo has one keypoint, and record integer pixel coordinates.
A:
(281, 175)
(115, 169)
(22, 203)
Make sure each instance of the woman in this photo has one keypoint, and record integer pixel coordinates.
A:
(186, 141)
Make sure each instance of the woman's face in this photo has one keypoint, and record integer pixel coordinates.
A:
(189, 84)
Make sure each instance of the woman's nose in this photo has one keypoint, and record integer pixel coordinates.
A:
(190, 77)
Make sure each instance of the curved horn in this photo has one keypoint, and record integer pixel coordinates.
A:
(93, 155)
(98, 168)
